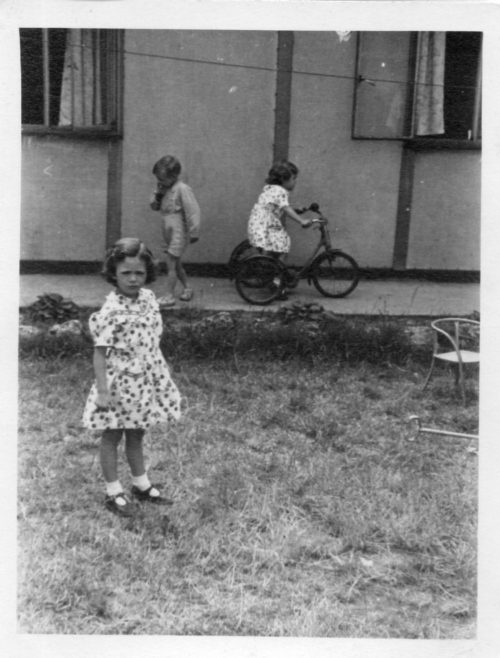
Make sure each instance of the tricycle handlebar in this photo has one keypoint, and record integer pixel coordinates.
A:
(314, 207)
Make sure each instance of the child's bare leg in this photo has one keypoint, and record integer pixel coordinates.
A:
(116, 501)
(171, 273)
(142, 487)
(134, 451)
(275, 254)
(108, 454)
(181, 274)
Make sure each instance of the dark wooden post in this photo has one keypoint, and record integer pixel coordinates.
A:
(405, 197)
(283, 96)
(114, 199)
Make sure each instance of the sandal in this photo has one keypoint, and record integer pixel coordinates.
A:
(145, 496)
(124, 508)
(167, 301)
(187, 295)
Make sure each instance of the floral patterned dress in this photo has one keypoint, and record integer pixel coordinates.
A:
(141, 390)
(265, 226)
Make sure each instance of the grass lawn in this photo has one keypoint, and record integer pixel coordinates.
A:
(301, 507)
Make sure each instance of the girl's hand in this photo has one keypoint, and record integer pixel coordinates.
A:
(102, 401)
(157, 197)
(290, 212)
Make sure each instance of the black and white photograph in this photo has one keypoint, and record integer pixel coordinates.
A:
(250, 275)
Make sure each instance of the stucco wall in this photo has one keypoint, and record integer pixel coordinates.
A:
(218, 120)
(445, 220)
(63, 199)
(354, 181)
(209, 97)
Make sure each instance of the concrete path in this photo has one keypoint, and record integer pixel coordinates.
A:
(381, 297)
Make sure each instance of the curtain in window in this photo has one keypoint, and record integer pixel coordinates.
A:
(80, 89)
(429, 88)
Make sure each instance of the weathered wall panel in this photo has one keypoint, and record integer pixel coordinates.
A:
(445, 219)
(217, 118)
(63, 199)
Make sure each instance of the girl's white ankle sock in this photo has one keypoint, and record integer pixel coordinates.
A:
(114, 488)
(141, 482)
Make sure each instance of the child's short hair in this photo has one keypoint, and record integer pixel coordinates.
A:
(132, 247)
(281, 171)
(168, 165)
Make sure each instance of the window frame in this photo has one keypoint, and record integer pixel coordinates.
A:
(114, 129)
(417, 142)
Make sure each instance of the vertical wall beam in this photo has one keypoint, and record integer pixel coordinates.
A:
(283, 96)
(114, 199)
(115, 41)
(46, 77)
(405, 197)
(407, 169)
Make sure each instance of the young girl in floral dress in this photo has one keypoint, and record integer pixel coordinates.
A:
(266, 225)
(133, 389)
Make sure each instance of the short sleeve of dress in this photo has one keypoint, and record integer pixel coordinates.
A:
(102, 328)
(155, 309)
(278, 196)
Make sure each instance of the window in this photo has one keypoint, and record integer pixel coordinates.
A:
(70, 79)
(416, 85)
(462, 85)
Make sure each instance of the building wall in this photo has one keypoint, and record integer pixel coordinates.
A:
(63, 198)
(445, 220)
(218, 120)
(354, 181)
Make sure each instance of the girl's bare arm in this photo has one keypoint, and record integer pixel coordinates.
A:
(290, 212)
(100, 377)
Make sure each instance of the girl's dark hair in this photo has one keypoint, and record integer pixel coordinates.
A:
(128, 247)
(281, 172)
(168, 165)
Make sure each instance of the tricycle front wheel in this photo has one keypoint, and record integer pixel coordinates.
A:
(335, 274)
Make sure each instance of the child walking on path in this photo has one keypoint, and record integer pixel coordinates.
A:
(180, 214)
(266, 225)
(133, 389)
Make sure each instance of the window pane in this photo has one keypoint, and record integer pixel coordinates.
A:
(463, 50)
(70, 78)
(387, 96)
(31, 76)
(382, 90)
(57, 47)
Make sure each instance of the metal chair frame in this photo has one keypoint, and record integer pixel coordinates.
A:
(457, 356)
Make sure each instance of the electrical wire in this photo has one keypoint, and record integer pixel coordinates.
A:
(271, 69)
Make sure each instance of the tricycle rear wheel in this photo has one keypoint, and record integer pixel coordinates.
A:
(240, 252)
(259, 279)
